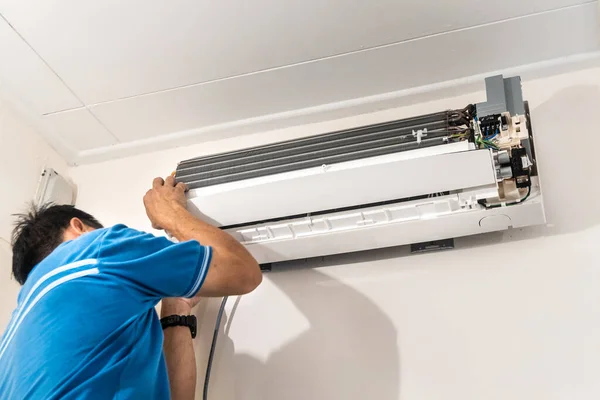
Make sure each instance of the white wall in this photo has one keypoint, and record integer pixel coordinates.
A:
(23, 154)
(512, 315)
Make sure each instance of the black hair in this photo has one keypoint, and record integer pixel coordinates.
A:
(39, 231)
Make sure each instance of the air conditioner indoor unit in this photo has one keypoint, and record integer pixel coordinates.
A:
(444, 175)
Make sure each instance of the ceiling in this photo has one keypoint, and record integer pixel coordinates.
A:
(111, 78)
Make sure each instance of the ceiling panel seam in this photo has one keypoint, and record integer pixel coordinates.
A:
(103, 125)
(559, 9)
(42, 59)
(61, 80)
(85, 108)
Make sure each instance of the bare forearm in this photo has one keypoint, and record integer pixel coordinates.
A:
(179, 353)
(233, 270)
(184, 226)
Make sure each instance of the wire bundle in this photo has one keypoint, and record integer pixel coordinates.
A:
(459, 122)
(483, 141)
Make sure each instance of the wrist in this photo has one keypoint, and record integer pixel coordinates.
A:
(174, 306)
(171, 220)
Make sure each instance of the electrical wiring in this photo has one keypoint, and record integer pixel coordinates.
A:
(490, 145)
(492, 136)
(478, 136)
(458, 121)
(469, 110)
(213, 346)
(486, 143)
(460, 134)
(521, 200)
(458, 137)
(526, 196)
(481, 140)
(458, 118)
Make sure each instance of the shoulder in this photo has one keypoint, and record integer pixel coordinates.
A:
(87, 246)
(121, 232)
(120, 229)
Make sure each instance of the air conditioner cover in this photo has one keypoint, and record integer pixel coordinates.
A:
(429, 177)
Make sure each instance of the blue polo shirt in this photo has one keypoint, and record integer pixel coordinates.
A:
(85, 325)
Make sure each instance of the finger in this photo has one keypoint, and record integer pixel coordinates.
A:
(170, 181)
(158, 182)
(182, 186)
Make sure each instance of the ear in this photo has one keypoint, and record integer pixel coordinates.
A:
(77, 226)
(75, 229)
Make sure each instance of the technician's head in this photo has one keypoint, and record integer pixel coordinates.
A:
(42, 230)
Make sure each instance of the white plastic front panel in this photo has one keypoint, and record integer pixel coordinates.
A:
(373, 180)
(400, 232)
(350, 219)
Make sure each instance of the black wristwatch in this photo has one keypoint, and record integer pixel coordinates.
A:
(180, 320)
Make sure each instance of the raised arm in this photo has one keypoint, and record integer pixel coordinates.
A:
(232, 271)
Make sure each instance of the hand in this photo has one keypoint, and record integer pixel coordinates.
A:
(164, 201)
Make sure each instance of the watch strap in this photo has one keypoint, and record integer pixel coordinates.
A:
(180, 320)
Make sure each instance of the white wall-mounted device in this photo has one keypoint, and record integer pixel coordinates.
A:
(431, 177)
(54, 188)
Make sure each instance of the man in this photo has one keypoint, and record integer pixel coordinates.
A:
(85, 324)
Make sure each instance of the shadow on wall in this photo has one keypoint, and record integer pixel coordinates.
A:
(350, 351)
